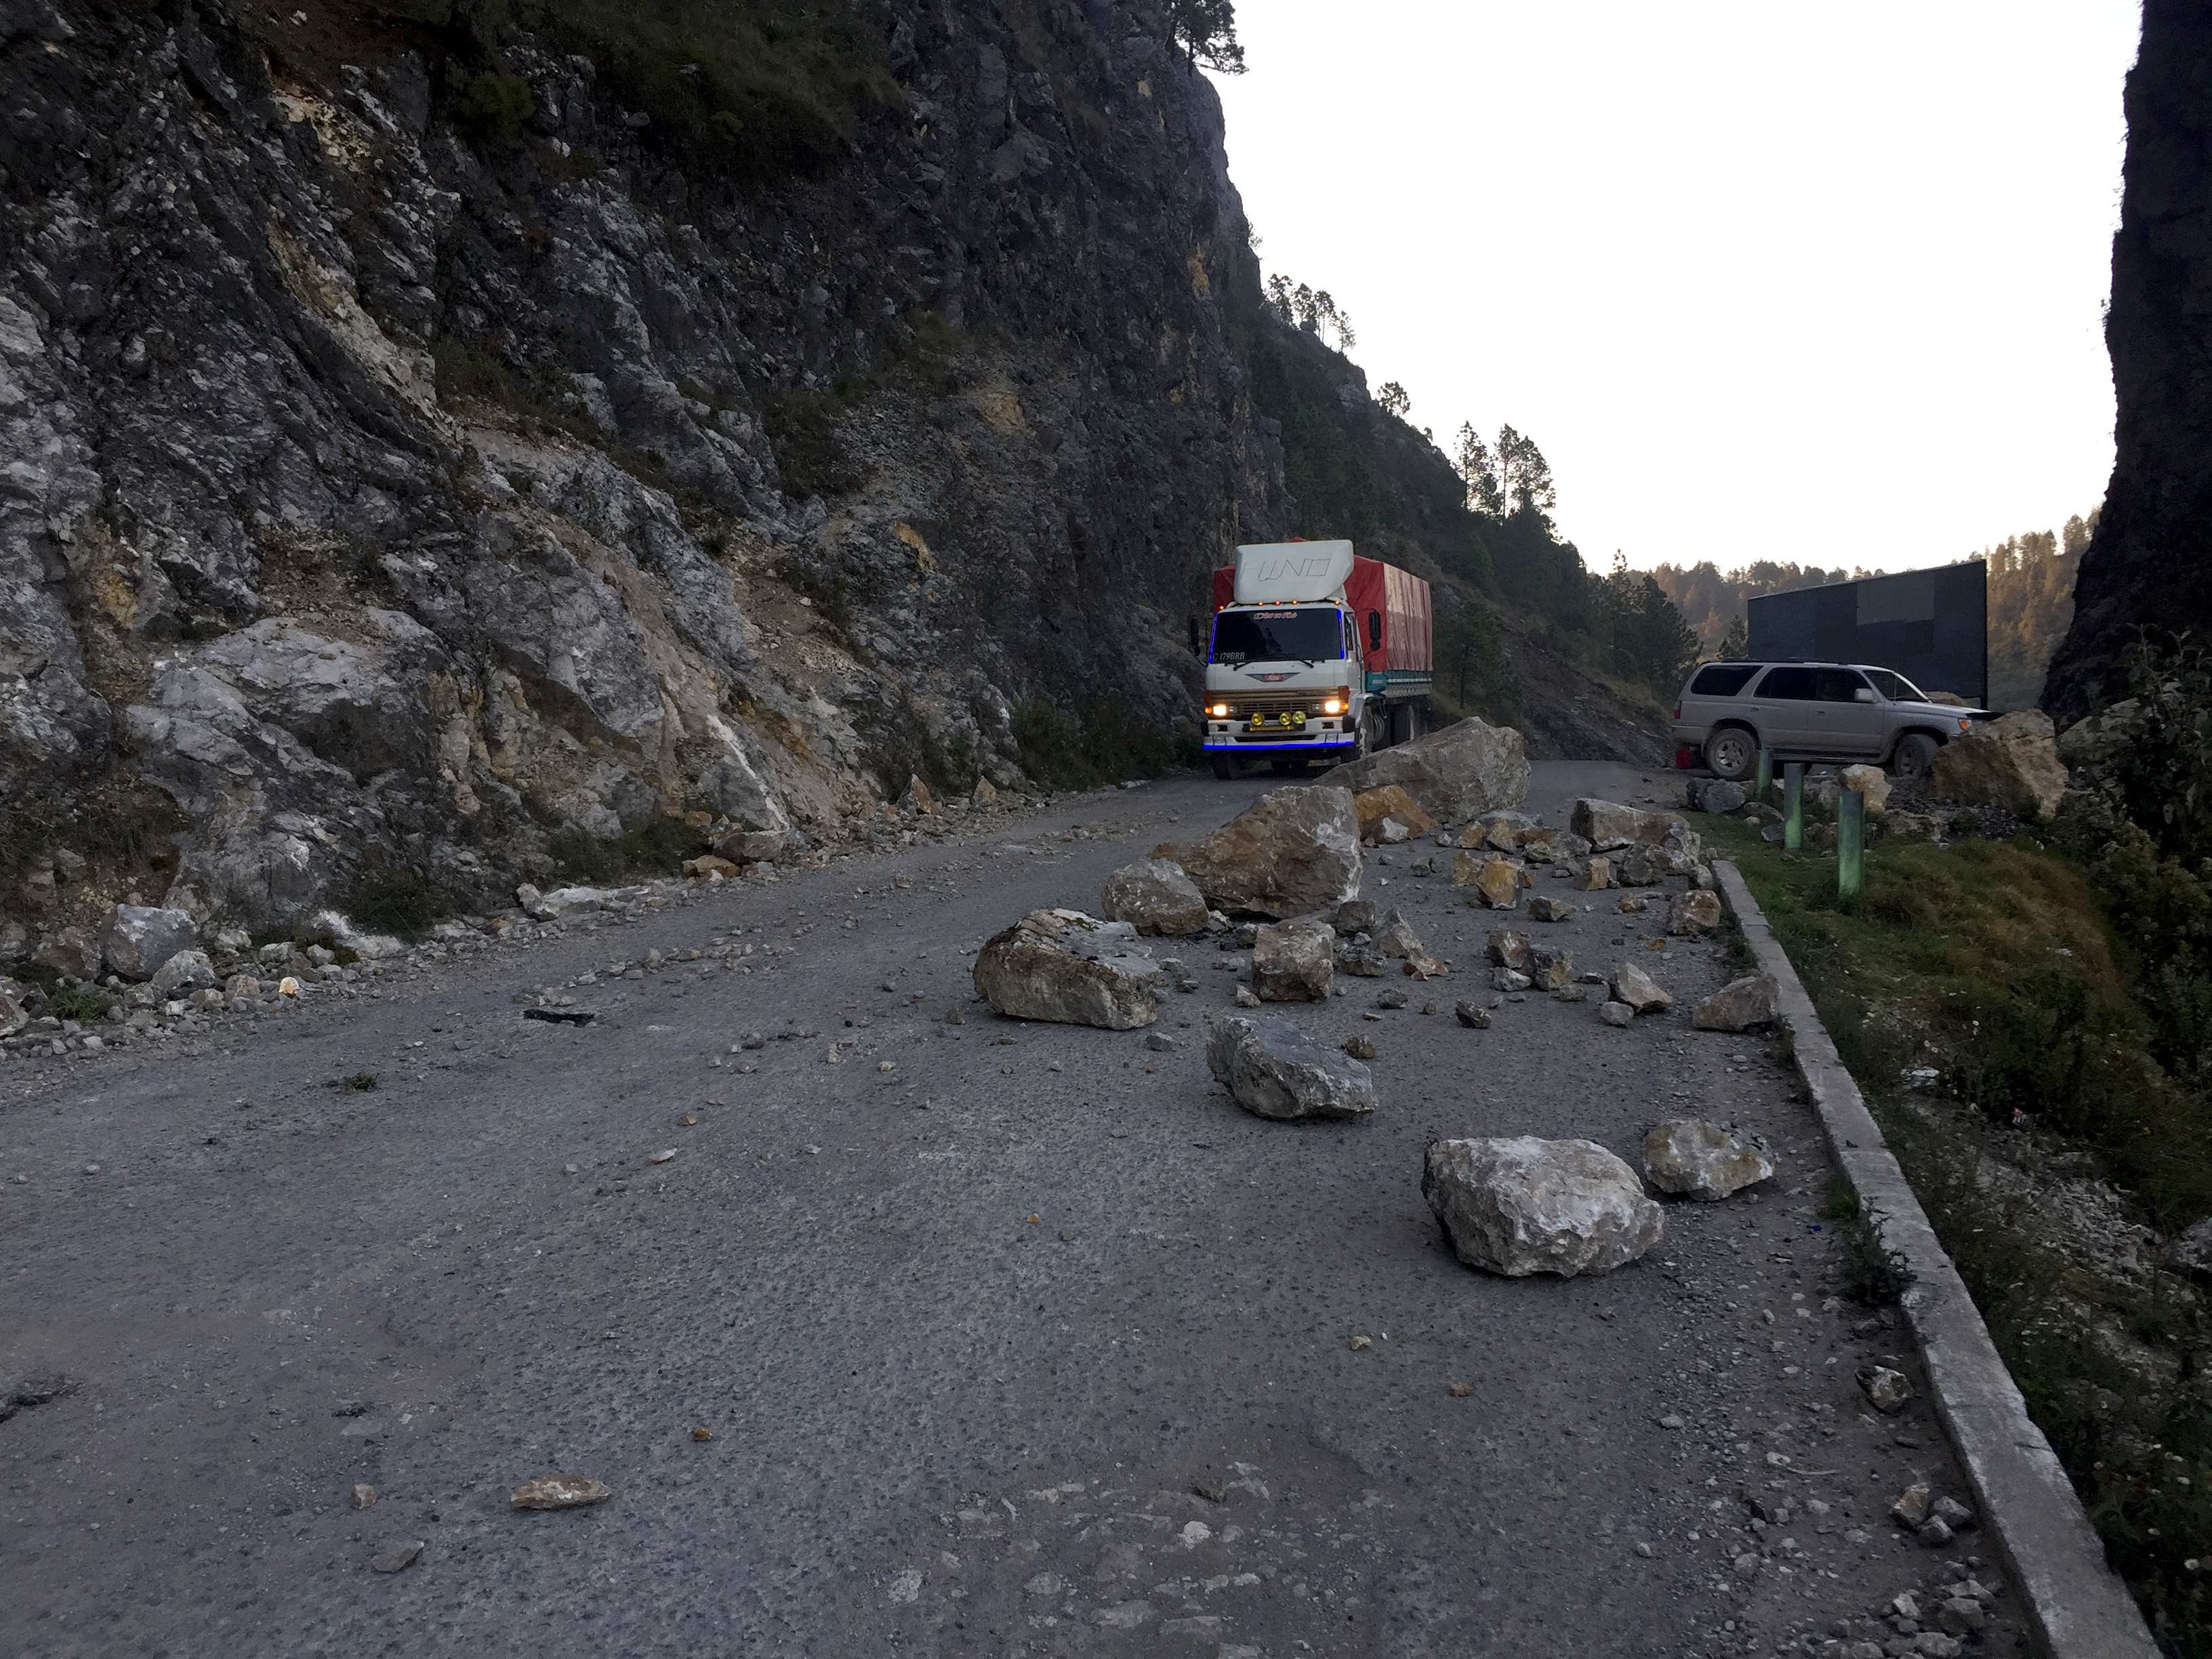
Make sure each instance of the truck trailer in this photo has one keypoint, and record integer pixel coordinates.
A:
(1315, 655)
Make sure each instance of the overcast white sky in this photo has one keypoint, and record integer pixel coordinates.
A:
(1764, 280)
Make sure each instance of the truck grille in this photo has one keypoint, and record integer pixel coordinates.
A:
(1243, 705)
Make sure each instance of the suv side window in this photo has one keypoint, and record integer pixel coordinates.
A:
(1840, 685)
(1722, 680)
(1791, 683)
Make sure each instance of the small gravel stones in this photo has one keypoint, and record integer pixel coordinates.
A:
(1693, 1159)
(559, 1492)
(1522, 1205)
(1274, 1070)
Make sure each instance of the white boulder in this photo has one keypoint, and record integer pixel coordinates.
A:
(1522, 1205)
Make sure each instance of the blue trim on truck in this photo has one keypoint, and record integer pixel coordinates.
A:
(1215, 746)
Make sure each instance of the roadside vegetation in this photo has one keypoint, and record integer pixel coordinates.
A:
(2027, 1022)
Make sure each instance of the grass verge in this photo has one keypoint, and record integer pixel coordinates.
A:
(1977, 994)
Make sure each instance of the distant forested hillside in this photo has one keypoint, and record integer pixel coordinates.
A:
(2031, 605)
(1518, 613)
(1714, 603)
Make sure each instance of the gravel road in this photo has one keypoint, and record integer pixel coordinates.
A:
(1009, 1339)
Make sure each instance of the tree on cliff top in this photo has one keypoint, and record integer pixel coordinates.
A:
(1206, 30)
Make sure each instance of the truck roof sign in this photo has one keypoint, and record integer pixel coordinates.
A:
(1289, 573)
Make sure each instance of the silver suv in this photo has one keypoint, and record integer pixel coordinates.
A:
(1812, 711)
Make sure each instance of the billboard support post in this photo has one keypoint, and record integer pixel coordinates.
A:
(1851, 844)
(1763, 789)
(1793, 807)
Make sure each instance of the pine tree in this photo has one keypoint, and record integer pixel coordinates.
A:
(1206, 30)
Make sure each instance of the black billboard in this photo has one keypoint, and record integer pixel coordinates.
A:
(1931, 626)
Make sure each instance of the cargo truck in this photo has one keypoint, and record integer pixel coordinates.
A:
(1314, 656)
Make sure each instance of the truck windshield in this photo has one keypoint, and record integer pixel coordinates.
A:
(1308, 635)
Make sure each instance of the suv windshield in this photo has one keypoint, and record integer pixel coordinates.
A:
(1895, 686)
(1309, 635)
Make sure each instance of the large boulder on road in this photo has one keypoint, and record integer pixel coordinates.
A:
(1064, 966)
(138, 939)
(187, 971)
(1606, 824)
(1290, 853)
(1272, 1069)
(1522, 1205)
(2011, 762)
(1155, 896)
(1457, 773)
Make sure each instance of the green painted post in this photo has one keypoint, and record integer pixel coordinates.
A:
(1851, 844)
(1763, 790)
(1793, 807)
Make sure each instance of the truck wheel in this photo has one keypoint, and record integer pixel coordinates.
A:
(1732, 753)
(1915, 753)
(1224, 769)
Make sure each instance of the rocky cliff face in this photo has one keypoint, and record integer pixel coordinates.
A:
(2146, 566)
(391, 500)
(420, 469)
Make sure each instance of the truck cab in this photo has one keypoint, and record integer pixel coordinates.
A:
(1297, 674)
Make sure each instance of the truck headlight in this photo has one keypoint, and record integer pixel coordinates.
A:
(1332, 706)
(1219, 711)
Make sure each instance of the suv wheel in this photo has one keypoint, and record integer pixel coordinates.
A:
(1915, 753)
(1732, 753)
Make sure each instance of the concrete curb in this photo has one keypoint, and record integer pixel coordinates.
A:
(2076, 1604)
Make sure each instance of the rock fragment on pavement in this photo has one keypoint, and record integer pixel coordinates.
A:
(1886, 1391)
(1741, 1004)
(1508, 947)
(1549, 970)
(1594, 875)
(1520, 1205)
(1632, 985)
(1690, 1157)
(1496, 879)
(1156, 897)
(396, 1556)
(1072, 969)
(559, 1492)
(1469, 1015)
(1616, 1014)
(1543, 907)
(1291, 961)
(1274, 1069)
(1291, 852)
(1698, 911)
